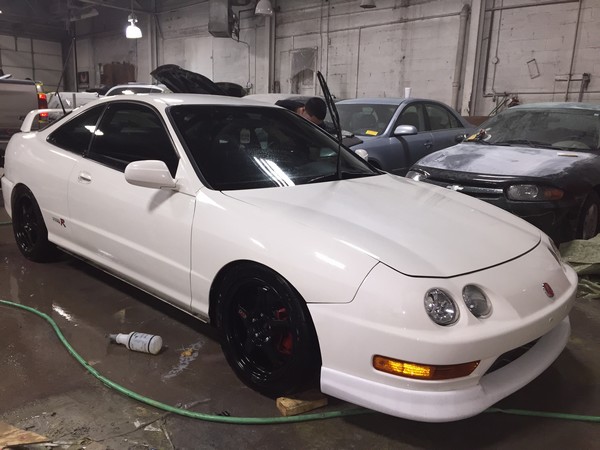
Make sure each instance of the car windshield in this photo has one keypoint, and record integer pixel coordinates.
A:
(565, 129)
(242, 147)
(365, 119)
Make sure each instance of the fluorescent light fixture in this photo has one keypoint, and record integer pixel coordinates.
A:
(367, 4)
(264, 8)
(132, 31)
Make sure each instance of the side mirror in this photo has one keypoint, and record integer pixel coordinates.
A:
(362, 153)
(151, 174)
(405, 130)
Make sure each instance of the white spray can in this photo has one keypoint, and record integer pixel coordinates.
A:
(139, 342)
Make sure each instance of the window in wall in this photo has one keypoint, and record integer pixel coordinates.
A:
(303, 70)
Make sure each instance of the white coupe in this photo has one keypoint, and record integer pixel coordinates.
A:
(406, 298)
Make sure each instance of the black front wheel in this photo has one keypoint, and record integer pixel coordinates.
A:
(268, 336)
(29, 228)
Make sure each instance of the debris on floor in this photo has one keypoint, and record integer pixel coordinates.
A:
(584, 257)
(11, 436)
(305, 402)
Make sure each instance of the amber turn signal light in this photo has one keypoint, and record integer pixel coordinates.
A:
(422, 371)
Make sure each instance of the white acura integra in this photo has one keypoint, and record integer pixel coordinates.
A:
(399, 296)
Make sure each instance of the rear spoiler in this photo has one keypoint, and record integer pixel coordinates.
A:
(30, 124)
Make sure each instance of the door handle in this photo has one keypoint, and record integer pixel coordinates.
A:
(84, 177)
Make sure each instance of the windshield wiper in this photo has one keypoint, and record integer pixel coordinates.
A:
(341, 176)
(527, 142)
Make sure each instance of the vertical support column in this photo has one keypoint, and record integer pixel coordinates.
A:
(473, 55)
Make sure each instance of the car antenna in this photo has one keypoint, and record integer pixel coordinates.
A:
(335, 117)
(62, 75)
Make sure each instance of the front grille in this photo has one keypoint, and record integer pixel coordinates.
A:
(481, 192)
(510, 356)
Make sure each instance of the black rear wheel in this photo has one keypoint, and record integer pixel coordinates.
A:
(29, 228)
(268, 336)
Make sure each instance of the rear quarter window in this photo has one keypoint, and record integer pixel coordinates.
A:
(75, 135)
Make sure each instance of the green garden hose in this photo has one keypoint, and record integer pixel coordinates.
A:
(255, 420)
(180, 411)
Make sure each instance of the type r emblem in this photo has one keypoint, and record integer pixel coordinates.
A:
(455, 187)
(60, 221)
(548, 290)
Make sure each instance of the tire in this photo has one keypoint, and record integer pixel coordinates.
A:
(29, 228)
(589, 217)
(267, 335)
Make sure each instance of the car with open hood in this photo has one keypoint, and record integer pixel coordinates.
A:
(395, 295)
(539, 161)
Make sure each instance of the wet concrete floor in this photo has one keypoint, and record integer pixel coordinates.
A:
(43, 389)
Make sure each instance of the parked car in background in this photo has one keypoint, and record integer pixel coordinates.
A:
(70, 100)
(397, 132)
(250, 217)
(274, 98)
(17, 98)
(539, 161)
(133, 88)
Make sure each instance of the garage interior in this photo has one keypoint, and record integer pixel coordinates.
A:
(477, 56)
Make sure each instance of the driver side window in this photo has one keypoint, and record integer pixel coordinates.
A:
(412, 115)
(132, 132)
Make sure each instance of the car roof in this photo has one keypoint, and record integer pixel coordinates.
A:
(162, 101)
(559, 105)
(136, 85)
(375, 101)
(273, 97)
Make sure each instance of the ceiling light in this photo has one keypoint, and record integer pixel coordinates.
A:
(367, 4)
(264, 8)
(132, 31)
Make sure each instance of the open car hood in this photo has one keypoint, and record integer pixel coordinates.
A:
(183, 81)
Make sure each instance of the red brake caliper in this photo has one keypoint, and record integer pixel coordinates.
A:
(285, 343)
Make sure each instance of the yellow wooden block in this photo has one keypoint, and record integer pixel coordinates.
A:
(11, 436)
(294, 406)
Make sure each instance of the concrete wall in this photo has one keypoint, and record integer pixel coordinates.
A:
(523, 48)
(532, 51)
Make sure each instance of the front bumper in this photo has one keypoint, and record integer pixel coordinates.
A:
(445, 406)
(387, 318)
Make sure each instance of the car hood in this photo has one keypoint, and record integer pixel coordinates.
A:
(504, 160)
(415, 228)
(181, 81)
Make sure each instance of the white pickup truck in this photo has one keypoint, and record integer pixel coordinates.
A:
(17, 98)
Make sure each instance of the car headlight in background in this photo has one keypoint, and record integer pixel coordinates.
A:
(440, 307)
(531, 192)
(417, 175)
(477, 302)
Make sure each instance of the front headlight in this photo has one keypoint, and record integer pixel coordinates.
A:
(477, 302)
(532, 192)
(440, 307)
(417, 175)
